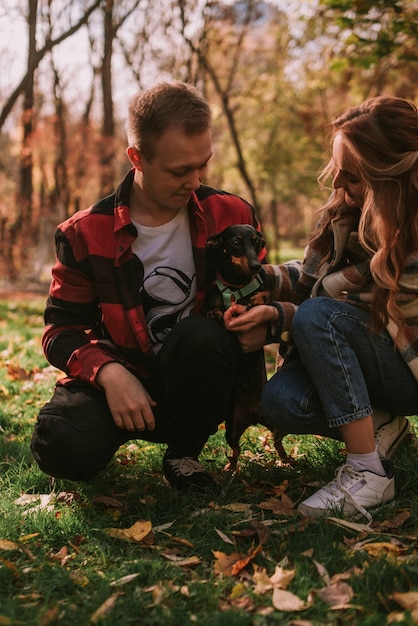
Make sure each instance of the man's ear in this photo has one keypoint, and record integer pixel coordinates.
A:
(135, 157)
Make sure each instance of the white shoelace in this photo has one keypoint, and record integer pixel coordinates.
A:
(345, 476)
(186, 466)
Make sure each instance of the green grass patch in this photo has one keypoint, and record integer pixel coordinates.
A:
(206, 561)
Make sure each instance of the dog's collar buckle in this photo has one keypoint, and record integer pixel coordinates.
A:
(230, 295)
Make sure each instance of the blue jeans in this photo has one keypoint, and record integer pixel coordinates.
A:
(337, 372)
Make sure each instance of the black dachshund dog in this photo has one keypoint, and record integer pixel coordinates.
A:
(233, 258)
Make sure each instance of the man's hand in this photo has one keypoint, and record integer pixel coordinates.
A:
(128, 400)
(249, 325)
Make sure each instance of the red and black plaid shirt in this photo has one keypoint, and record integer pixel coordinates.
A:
(94, 312)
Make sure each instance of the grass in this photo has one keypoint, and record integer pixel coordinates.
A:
(206, 562)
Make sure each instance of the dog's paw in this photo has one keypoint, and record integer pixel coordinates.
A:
(261, 297)
(216, 314)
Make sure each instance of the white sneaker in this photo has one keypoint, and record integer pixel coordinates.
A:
(351, 492)
(389, 435)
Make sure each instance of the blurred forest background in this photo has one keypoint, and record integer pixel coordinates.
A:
(274, 73)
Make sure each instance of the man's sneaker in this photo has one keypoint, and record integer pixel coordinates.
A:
(351, 492)
(187, 474)
(389, 435)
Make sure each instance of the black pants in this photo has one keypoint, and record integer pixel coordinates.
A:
(194, 374)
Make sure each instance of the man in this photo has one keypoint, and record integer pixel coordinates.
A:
(122, 317)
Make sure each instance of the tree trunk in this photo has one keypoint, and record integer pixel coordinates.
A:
(107, 160)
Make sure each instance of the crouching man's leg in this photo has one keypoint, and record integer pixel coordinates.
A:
(75, 436)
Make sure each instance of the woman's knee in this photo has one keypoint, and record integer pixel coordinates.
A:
(275, 402)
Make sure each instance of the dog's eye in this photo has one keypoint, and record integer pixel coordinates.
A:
(236, 241)
(255, 243)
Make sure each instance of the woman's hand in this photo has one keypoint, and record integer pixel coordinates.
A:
(128, 400)
(250, 325)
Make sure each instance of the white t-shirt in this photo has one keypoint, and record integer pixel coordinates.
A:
(169, 285)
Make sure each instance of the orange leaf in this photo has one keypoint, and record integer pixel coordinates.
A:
(232, 564)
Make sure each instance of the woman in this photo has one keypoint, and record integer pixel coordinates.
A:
(352, 315)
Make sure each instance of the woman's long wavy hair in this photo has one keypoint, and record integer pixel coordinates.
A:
(382, 137)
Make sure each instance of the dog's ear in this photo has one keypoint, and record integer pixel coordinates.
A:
(214, 242)
(260, 243)
(213, 256)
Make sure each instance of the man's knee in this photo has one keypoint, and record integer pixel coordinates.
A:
(74, 433)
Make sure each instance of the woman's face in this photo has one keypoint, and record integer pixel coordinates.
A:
(347, 176)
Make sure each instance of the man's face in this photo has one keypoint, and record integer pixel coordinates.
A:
(177, 168)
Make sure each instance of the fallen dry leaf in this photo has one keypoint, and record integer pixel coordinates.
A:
(282, 577)
(393, 523)
(135, 533)
(49, 617)
(124, 580)
(337, 595)
(104, 609)
(15, 372)
(224, 537)
(62, 555)
(237, 507)
(279, 506)
(232, 564)
(10, 566)
(283, 600)
(408, 600)
(108, 501)
(322, 571)
(356, 527)
(381, 547)
(5, 544)
(79, 578)
(182, 561)
(262, 580)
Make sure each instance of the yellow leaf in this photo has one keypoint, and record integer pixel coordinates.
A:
(237, 591)
(26, 538)
(281, 577)
(382, 547)
(261, 579)
(137, 532)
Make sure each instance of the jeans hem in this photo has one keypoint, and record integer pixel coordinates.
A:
(358, 415)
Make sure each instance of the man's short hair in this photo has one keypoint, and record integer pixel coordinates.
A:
(166, 105)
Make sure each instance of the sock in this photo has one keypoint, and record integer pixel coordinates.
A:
(366, 462)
